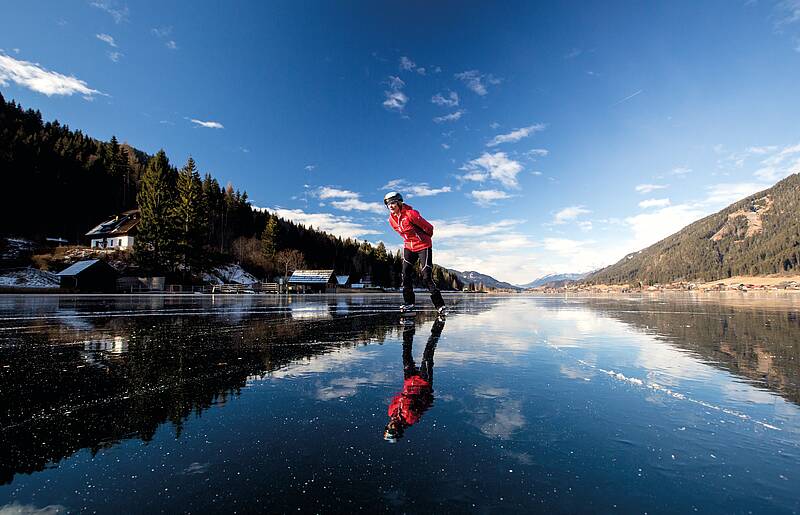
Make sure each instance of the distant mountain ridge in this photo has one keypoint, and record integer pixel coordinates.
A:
(477, 278)
(757, 235)
(552, 279)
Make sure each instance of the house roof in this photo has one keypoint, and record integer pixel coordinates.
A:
(76, 268)
(117, 226)
(311, 277)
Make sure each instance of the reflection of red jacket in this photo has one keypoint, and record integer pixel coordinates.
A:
(415, 230)
(411, 403)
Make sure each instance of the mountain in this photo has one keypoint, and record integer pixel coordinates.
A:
(478, 278)
(552, 279)
(757, 235)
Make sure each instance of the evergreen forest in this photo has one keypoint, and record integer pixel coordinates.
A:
(64, 182)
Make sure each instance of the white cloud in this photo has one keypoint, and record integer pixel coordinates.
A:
(115, 56)
(654, 202)
(414, 190)
(564, 246)
(495, 166)
(780, 164)
(164, 33)
(407, 64)
(354, 204)
(680, 171)
(761, 150)
(585, 225)
(208, 125)
(572, 54)
(647, 188)
(516, 135)
(450, 117)
(476, 81)
(537, 152)
(450, 101)
(396, 100)
(107, 39)
(496, 248)
(422, 190)
(337, 225)
(456, 229)
(34, 77)
(788, 12)
(351, 200)
(445, 146)
(721, 195)
(486, 198)
(648, 228)
(161, 32)
(569, 213)
(118, 12)
(326, 192)
(395, 82)
(309, 168)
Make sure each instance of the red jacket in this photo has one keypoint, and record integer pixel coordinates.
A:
(411, 403)
(415, 230)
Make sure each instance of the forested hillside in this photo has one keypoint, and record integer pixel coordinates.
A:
(755, 236)
(61, 183)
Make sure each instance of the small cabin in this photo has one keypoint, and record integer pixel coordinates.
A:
(91, 275)
(117, 233)
(312, 281)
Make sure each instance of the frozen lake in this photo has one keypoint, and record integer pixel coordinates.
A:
(251, 403)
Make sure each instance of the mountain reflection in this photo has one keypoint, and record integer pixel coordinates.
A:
(761, 344)
(74, 377)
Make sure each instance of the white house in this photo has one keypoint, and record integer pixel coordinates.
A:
(117, 233)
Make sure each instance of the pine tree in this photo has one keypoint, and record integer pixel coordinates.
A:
(190, 215)
(155, 243)
(269, 239)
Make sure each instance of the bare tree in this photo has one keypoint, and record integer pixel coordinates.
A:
(289, 260)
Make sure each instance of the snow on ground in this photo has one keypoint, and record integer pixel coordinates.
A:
(29, 278)
(229, 274)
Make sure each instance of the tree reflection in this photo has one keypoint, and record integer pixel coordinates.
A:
(66, 388)
(760, 344)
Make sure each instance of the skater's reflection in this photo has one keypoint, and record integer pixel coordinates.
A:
(416, 397)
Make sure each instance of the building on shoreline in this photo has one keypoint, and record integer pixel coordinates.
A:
(116, 233)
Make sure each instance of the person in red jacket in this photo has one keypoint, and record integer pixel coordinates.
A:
(407, 407)
(417, 233)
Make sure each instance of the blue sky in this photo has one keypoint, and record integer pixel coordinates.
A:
(537, 137)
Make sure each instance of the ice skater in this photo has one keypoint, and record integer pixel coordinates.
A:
(418, 246)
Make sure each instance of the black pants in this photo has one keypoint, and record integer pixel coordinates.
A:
(425, 257)
(425, 371)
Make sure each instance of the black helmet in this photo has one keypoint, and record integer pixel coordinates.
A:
(392, 196)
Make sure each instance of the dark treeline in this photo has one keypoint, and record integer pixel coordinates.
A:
(719, 246)
(60, 182)
(188, 224)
